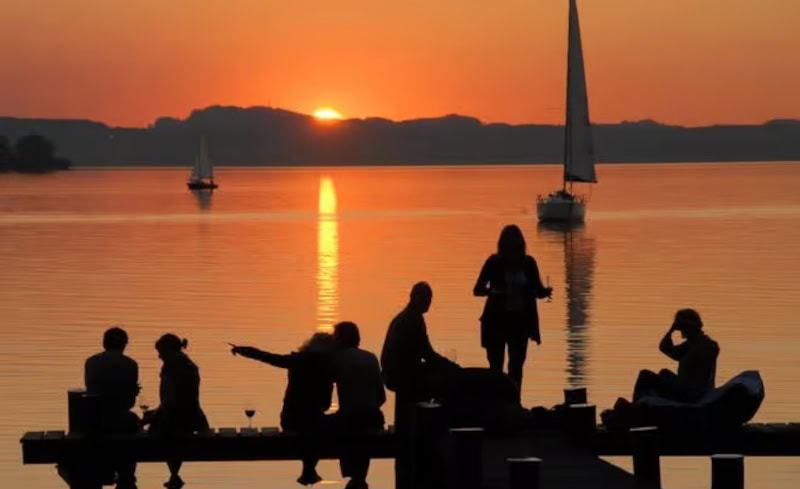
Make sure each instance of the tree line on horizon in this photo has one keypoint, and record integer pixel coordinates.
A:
(30, 154)
(257, 136)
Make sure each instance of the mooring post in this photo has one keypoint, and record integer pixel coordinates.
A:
(727, 471)
(646, 456)
(83, 418)
(74, 413)
(427, 464)
(465, 458)
(524, 473)
(575, 395)
(581, 421)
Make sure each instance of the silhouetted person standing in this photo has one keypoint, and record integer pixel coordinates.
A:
(179, 411)
(309, 390)
(410, 365)
(511, 283)
(114, 378)
(359, 387)
(697, 363)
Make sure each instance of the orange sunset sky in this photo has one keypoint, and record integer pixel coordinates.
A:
(690, 62)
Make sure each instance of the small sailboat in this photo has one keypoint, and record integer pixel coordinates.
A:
(202, 176)
(579, 160)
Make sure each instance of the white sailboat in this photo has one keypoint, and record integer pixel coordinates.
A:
(202, 176)
(579, 159)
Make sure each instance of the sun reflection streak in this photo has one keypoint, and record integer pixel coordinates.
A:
(327, 257)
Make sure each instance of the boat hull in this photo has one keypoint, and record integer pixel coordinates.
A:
(560, 210)
(201, 185)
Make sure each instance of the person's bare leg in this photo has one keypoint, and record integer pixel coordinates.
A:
(175, 481)
(309, 476)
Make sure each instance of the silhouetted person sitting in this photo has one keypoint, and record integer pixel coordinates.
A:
(407, 358)
(359, 387)
(179, 411)
(114, 379)
(510, 281)
(697, 363)
(410, 367)
(309, 390)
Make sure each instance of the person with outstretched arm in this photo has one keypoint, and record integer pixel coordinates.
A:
(309, 390)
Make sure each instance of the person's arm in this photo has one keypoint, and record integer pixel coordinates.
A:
(482, 285)
(89, 375)
(280, 361)
(428, 353)
(670, 349)
(132, 387)
(537, 288)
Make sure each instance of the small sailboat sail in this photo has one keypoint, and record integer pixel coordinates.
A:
(202, 175)
(579, 158)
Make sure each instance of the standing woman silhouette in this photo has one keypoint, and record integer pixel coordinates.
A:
(511, 283)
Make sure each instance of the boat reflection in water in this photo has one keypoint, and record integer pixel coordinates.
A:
(203, 198)
(579, 253)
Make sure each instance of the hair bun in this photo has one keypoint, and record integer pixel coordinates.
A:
(184, 343)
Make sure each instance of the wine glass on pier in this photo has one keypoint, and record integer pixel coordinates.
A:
(249, 412)
(143, 404)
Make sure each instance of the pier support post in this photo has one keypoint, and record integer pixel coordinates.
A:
(74, 412)
(581, 421)
(524, 473)
(646, 456)
(426, 457)
(465, 458)
(727, 471)
(576, 395)
(83, 412)
(83, 417)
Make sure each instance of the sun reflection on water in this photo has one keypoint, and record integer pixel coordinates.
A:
(327, 257)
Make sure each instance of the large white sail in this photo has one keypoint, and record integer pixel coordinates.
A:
(579, 156)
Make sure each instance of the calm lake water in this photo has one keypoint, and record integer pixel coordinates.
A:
(277, 253)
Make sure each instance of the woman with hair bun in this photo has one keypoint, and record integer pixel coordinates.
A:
(179, 411)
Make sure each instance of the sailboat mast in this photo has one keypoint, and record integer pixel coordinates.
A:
(568, 118)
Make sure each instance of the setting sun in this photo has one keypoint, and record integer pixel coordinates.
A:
(327, 114)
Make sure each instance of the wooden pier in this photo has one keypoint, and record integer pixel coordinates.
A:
(463, 458)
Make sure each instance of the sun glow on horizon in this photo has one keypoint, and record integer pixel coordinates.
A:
(327, 114)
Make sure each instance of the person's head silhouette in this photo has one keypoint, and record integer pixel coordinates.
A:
(511, 243)
(320, 342)
(115, 339)
(688, 322)
(347, 335)
(170, 346)
(421, 297)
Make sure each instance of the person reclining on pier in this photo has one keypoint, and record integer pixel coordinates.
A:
(309, 390)
(359, 387)
(179, 411)
(697, 363)
(114, 378)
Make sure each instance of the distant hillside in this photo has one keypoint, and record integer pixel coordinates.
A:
(267, 136)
